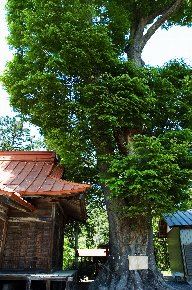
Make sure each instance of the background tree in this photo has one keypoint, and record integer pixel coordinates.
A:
(161, 249)
(92, 234)
(107, 116)
(15, 134)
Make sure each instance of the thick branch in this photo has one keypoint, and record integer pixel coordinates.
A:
(157, 12)
(137, 38)
(165, 15)
(133, 49)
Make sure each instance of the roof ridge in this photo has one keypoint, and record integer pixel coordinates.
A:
(27, 155)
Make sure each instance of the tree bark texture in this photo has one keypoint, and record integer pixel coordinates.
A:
(129, 237)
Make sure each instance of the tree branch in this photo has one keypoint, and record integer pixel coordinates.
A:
(165, 15)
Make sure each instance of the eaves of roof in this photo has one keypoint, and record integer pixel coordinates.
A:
(179, 219)
(15, 200)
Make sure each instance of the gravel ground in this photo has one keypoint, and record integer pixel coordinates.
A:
(176, 285)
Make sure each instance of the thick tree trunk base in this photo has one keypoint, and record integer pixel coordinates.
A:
(129, 237)
(129, 280)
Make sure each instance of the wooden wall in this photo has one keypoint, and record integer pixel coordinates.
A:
(34, 241)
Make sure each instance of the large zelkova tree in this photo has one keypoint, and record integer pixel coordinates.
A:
(78, 73)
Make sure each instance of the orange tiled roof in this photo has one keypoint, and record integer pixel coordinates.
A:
(34, 173)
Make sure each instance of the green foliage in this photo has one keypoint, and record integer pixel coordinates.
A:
(95, 232)
(68, 254)
(115, 94)
(69, 77)
(161, 253)
(160, 248)
(15, 135)
(155, 175)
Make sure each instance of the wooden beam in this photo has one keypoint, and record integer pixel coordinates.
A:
(26, 219)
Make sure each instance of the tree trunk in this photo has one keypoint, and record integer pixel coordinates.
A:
(135, 44)
(129, 237)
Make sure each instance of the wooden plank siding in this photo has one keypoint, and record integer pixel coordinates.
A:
(3, 230)
(26, 247)
(34, 241)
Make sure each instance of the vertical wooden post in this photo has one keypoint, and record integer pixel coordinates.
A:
(67, 286)
(48, 284)
(4, 234)
(52, 228)
(76, 231)
(28, 283)
(69, 283)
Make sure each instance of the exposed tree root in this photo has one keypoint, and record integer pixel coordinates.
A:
(129, 280)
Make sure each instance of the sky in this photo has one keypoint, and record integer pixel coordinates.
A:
(176, 43)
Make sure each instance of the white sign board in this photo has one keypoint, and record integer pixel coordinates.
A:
(138, 262)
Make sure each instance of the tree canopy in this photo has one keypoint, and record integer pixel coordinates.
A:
(70, 77)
